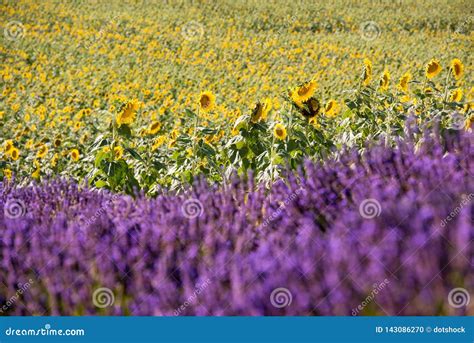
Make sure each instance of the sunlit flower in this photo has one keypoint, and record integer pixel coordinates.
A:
(154, 128)
(42, 151)
(54, 160)
(159, 141)
(332, 108)
(432, 69)
(457, 68)
(57, 142)
(36, 173)
(304, 92)
(367, 75)
(14, 153)
(456, 95)
(207, 101)
(404, 82)
(127, 115)
(7, 173)
(261, 110)
(75, 155)
(118, 152)
(385, 80)
(279, 131)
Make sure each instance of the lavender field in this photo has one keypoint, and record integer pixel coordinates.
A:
(388, 233)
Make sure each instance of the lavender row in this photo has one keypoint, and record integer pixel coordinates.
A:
(388, 233)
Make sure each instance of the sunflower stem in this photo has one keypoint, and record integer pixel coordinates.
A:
(446, 89)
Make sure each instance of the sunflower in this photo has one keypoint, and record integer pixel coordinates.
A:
(42, 151)
(433, 68)
(75, 155)
(332, 108)
(261, 110)
(57, 142)
(457, 68)
(118, 152)
(314, 121)
(279, 131)
(385, 80)
(14, 153)
(127, 115)
(304, 92)
(77, 126)
(54, 160)
(207, 101)
(8, 146)
(36, 173)
(367, 75)
(311, 108)
(456, 95)
(154, 128)
(159, 141)
(7, 173)
(429, 91)
(404, 82)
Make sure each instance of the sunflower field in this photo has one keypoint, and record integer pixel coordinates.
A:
(154, 149)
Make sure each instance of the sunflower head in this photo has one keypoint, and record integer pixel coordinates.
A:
(404, 82)
(207, 101)
(367, 74)
(8, 146)
(154, 128)
(75, 155)
(279, 131)
(42, 151)
(7, 173)
(14, 153)
(127, 114)
(385, 80)
(456, 95)
(457, 68)
(260, 112)
(433, 68)
(36, 173)
(118, 152)
(332, 108)
(303, 92)
(57, 142)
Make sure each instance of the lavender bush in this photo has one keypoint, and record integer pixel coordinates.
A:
(389, 233)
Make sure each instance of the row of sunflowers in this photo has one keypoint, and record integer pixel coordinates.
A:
(122, 157)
